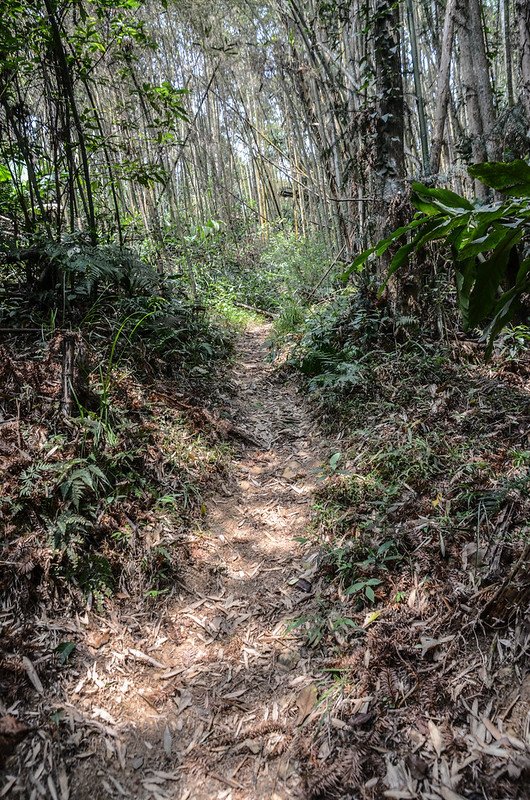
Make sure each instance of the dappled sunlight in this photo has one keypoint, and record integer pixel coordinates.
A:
(256, 662)
(197, 693)
(264, 400)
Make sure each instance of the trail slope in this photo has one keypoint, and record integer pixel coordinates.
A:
(210, 701)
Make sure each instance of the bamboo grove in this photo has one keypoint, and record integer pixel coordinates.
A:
(133, 121)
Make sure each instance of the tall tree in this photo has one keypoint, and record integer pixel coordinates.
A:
(389, 164)
(523, 27)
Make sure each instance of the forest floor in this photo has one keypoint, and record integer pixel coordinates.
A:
(199, 698)
(215, 692)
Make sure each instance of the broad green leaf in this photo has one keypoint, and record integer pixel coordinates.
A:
(507, 305)
(503, 314)
(401, 256)
(487, 214)
(424, 206)
(511, 178)
(440, 231)
(5, 175)
(355, 587)
(464, 279)
(357, 262)
(484, 243)
(490, 275)
(65, 650)
(334, 460)
(455, 224)
(440, 198)
(382, 246)
(370, 593)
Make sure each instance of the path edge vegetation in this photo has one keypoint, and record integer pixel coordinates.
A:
(152, 206)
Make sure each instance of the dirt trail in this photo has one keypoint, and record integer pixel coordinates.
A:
(210, 702)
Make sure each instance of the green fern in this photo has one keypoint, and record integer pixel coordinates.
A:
(32, 478)
(80, 477)
(67, 533)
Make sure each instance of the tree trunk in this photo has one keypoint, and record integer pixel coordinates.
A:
(389, 153)
(523, 27)
(442, 90)
(475, 127)
(507, 34)
(481, 70)
(422, 120)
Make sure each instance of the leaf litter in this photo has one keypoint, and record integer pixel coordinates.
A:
(213, 694)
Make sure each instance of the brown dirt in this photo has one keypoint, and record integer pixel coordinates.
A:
(204, 695)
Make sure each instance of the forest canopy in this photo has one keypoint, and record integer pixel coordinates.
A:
(125, 119)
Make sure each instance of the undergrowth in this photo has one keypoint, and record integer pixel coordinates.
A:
(416, 559)
(96, 500)
(239, 276)
(433, 475)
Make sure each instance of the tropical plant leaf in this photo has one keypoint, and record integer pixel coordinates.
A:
(381, 247)
(483, 243)
(489, 275)
(464, 278)
(482, 240)
(435, 200)
(511, 178)
(504, 313)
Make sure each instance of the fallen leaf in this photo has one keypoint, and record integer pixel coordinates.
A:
(306, 702)
(12, 731)
(436, 738)
(430, 644)
(97, 639)
(288, 659)
(32, 675)
(167, 741)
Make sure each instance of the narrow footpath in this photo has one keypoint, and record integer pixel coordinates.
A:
(213, 700)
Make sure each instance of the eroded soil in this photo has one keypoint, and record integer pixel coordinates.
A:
(207, 696)
(213, 692)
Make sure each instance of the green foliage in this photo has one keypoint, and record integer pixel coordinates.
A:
(356, 563)
(90, 508)
(53, 56)
(486, 243)
(314, 627)
(77, 478)
(425, 473)
(515, 341)
(291, 317)
(119, 301)
(65, 495)
(74, 479)
(64, 650)
(298, 263)
(335, 344)
(364, 587)
(229, 270)
(323, 622)
(512, 178)
(166, 101)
